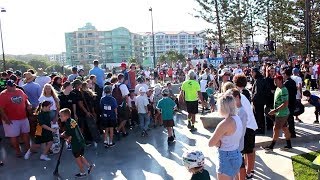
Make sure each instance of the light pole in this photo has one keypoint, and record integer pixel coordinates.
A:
(3, 57)
(153, 47)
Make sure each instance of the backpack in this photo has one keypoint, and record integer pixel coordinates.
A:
(116, 93)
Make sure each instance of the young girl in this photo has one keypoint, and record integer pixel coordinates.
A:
(210, 91)
(49, 94)
(43, 134)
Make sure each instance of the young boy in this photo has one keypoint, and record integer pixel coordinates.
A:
(108, 104)
(166, 105)
(144, 114)
(194, 162)
(73, 135)
(315, 101)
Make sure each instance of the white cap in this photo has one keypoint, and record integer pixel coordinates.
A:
(142, 89)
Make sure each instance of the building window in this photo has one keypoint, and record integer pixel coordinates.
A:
(122, 47)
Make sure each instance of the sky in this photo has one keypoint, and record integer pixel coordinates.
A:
(38, 26)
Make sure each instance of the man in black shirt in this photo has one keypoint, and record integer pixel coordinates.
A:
(292, 90)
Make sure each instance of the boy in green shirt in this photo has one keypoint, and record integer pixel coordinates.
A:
(74, 137)
(281, 113)
(166, 106)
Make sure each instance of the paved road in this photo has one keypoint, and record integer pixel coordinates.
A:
(135, 158)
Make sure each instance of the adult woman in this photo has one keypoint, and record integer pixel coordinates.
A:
(227, 138)
(49, 94)
(64, 96)
(57, 83)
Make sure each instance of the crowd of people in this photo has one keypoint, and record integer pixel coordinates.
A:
(87, 106)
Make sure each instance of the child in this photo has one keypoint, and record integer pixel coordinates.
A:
(144, 114)
(73, 135)
(150, 96)
(315, 101)
(210, 91)
(109, 106)
(133, 109)
(43, 132)
(194, 162)
(156, 98)
(166, 106)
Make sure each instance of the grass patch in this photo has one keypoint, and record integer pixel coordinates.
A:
(303, 168)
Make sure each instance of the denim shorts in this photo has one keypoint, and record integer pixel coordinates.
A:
(229, 162)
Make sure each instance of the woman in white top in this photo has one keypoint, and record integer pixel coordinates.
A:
(49, 94)
(227, 137)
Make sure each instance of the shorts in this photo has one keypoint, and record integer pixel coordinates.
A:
(78, 153)
(42, 139)
(16, 128)
(192, 107)
(123, 113)
(229, 162)
(281, 122)
(108, 123)
(212, 101)
(168, 123)
(249, 141)
(205, 96)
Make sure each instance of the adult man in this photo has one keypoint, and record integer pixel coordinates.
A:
(13, 105)
(120, 92)
(132, 76)
(281, 113)
(98, 72)
(292, 90)
(190, 91)
(42, 78)
(260, 93)
(123, 67)
(237, 70)
(296, 77)
(74, 74)
(32, 89)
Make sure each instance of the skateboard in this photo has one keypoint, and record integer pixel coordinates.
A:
(55, 148)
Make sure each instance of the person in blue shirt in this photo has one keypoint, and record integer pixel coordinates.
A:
(108, 106)
(315, 101)
(32, 89)
(124, 71)
(98, 72)
(166, 105)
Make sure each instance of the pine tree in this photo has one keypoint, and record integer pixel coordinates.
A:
(214, 12)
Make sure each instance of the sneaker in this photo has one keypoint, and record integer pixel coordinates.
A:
(27, 155)
(143, 134)
(44, 157)
(189, 124)
(299, 120)
(125, 134)
(193, 129)
(249, 176)
(170, 139)
(111, 144)
(95, 144)
(286, 148)
(105, 142)
(69, 147)
(90, 168)
(315, 122)
(267, 148)
(80, 175)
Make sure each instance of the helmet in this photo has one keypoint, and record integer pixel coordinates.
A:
(193, 159)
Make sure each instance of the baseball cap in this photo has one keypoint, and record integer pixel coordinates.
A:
(142, 89)
(66, 84)
(295, 70)
(11, 83)
(74, 68)
(124, 65)
(256, 70)
(165, 91)
(278, 76)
